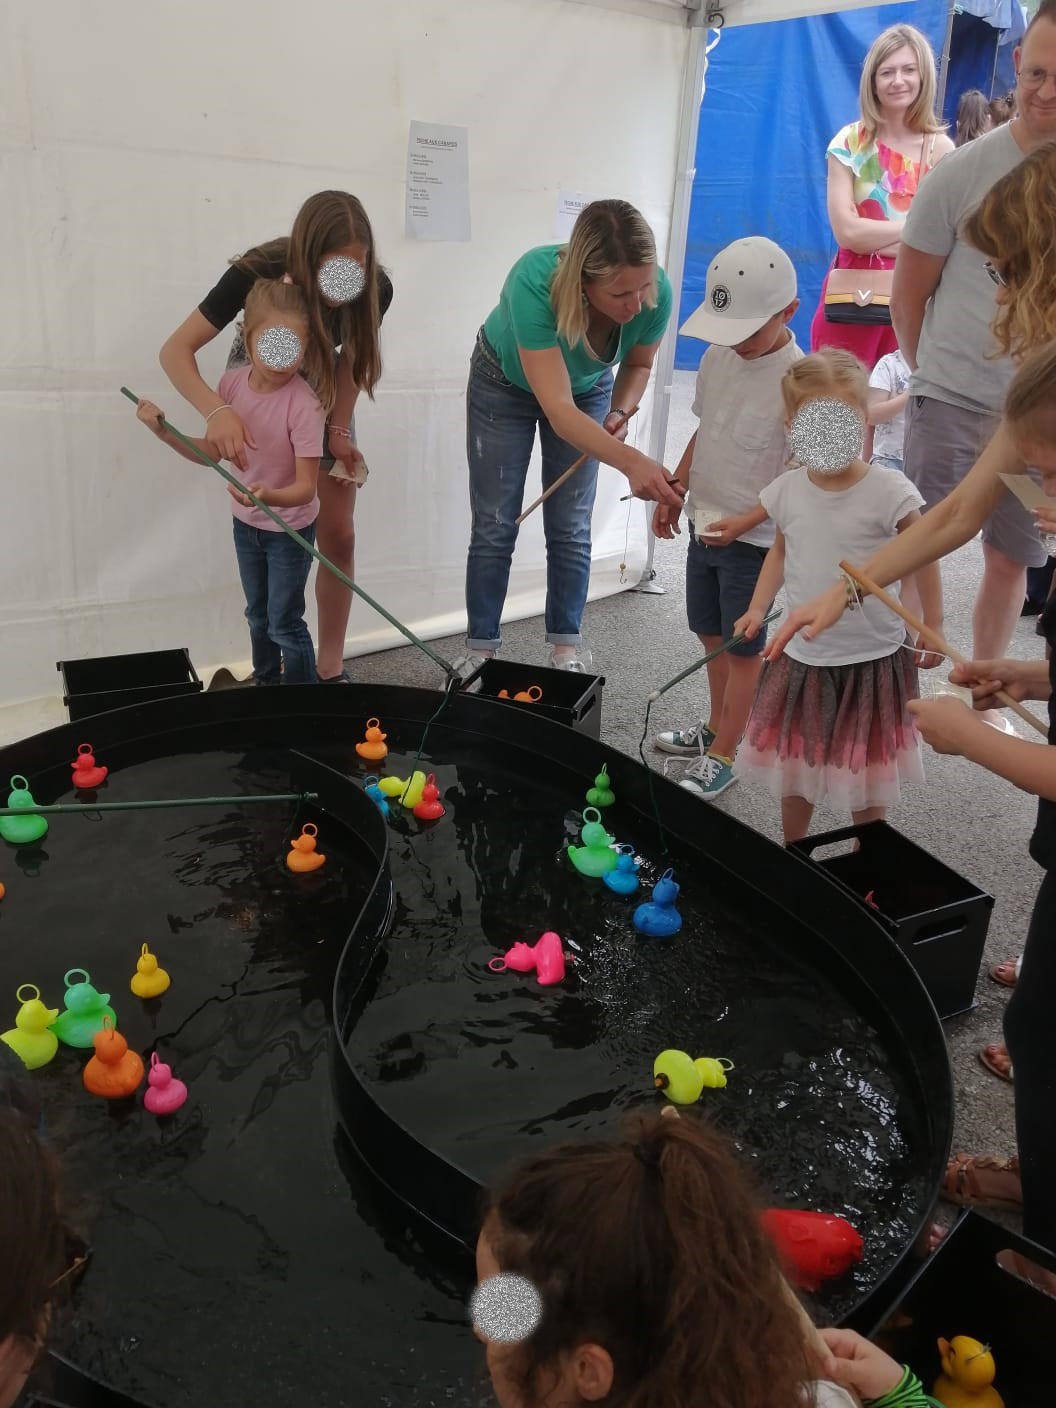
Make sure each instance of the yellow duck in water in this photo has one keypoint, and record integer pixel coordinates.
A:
(967, 1378)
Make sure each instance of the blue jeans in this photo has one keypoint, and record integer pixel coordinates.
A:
(500, 434)
(274, 570)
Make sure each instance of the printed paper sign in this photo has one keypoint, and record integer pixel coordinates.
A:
(437, 182)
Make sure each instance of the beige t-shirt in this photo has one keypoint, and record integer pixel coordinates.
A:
(740, 445)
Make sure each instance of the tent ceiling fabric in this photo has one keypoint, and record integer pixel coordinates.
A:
(717, 13)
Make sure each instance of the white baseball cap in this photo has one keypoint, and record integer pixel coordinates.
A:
(748, 282)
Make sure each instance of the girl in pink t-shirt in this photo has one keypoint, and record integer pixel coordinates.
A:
(287, 424)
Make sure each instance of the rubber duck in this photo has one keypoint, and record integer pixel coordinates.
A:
(623, 879)
(392, 786)
(86, 1011)
(86, 771)
(149, 980)
(967, 1378)
(658, 917)
(303, 857)
(114, 1071)
(373, 790)
(546, 956)
(683, 1080)
(29, 1038)
(596, 855)
(429, 807)
(164, 1094)
(3, 889)
(601, 794)
(814, 1246)
(531, 695)
(373, 746)
(412, 793)
(21, 830)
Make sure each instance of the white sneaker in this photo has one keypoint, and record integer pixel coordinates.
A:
(469, 663)
(576, 662)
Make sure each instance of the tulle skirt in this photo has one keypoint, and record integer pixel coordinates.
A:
(839, 733)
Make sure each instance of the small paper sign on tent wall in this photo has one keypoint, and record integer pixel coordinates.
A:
(437, 182)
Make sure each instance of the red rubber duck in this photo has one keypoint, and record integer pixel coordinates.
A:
(428, 807)
(86, 771)
(815, 1246)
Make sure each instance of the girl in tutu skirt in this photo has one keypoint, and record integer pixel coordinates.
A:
(829, 718)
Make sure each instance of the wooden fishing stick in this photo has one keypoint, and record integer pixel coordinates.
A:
(936, 641)
(568, 473)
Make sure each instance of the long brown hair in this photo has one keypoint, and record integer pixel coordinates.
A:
(973, 116)
(653, 1249)
(32, 1237)
(921, 115)
(1030, 402)
(328, 221)
(1013, 225)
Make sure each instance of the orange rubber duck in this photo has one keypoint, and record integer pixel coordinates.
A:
(114, 1071)
(303, 857)
(373, 746)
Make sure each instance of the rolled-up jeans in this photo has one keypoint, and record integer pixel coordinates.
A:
(501, 421)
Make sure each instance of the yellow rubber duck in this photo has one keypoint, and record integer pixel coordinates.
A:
(29, 1038)
(967, 1378)
(303, 857)
(149, 980)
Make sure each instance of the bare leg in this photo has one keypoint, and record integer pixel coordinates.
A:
(997, 605)
(796, 814)
(742, 675)
(869, 814)
(718, 674)
(335, 536)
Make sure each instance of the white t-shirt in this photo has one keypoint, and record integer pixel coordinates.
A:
(741, 439)
(823, 526)
(953, 361)
(891, 374)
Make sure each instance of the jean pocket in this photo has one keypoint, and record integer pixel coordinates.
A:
(481, 363)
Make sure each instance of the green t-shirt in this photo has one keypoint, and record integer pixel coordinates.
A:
(525, 318)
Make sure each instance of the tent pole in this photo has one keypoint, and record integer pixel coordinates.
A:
(685, 171)
(944, 61)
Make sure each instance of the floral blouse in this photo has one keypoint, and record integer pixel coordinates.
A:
(885, 181)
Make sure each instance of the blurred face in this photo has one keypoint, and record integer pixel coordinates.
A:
(772, 335)
(1035, 66)
(897, 80)
(277, 349)
(622, 295)
(337, 278)
(1039, 456)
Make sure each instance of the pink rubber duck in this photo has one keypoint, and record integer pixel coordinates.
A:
(164, 1094)
(546, 957)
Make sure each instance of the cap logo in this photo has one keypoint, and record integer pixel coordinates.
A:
(720, 298)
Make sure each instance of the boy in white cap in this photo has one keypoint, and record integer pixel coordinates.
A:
(738, 449)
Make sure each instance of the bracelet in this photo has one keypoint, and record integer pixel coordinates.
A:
(907, 1393)
(214, 411)
(617, 411)
(340, 430)
(854, 596)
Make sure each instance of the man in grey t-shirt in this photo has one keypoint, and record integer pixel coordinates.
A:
(942, 306)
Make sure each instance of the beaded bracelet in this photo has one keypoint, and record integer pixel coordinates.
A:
(340, 430)
(854, 596)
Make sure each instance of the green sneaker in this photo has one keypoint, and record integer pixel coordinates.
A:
(696, 740)
(708, 777)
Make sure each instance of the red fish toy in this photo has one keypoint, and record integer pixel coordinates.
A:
(814, 1246)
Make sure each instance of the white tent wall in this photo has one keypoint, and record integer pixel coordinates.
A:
(142, 146)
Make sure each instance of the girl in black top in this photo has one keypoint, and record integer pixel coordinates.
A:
(330, 254)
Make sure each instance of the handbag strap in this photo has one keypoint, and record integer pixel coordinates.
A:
(925, 165)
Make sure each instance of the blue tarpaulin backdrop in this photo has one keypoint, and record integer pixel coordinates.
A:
(776, 94)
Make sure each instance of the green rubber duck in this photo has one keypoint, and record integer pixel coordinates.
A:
(22, 830)
(601, 794)
(85, 1009)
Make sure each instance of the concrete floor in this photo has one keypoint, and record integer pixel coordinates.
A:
(974, 822)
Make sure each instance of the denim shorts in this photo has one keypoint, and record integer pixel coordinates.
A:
(720, 584)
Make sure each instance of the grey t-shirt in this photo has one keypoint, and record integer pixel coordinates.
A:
(954, 357)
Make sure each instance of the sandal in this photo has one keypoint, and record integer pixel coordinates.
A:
(994, 1056)
(968, 1174)
(1007, 972)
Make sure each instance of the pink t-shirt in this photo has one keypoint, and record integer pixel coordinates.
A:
(286, 423)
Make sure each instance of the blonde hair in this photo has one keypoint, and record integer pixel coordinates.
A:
(272, 298)
(1030, 402)
(1013, 225)
(326, 222)
(830, 372)
(608, 235)
(921, 116)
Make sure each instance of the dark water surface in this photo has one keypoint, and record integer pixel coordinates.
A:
(242, 1254)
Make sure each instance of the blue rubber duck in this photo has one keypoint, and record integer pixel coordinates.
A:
(377, 796)
(658, 917)
(624, 878)
(21, 830)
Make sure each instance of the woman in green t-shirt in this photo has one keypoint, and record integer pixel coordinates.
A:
(567, 315)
